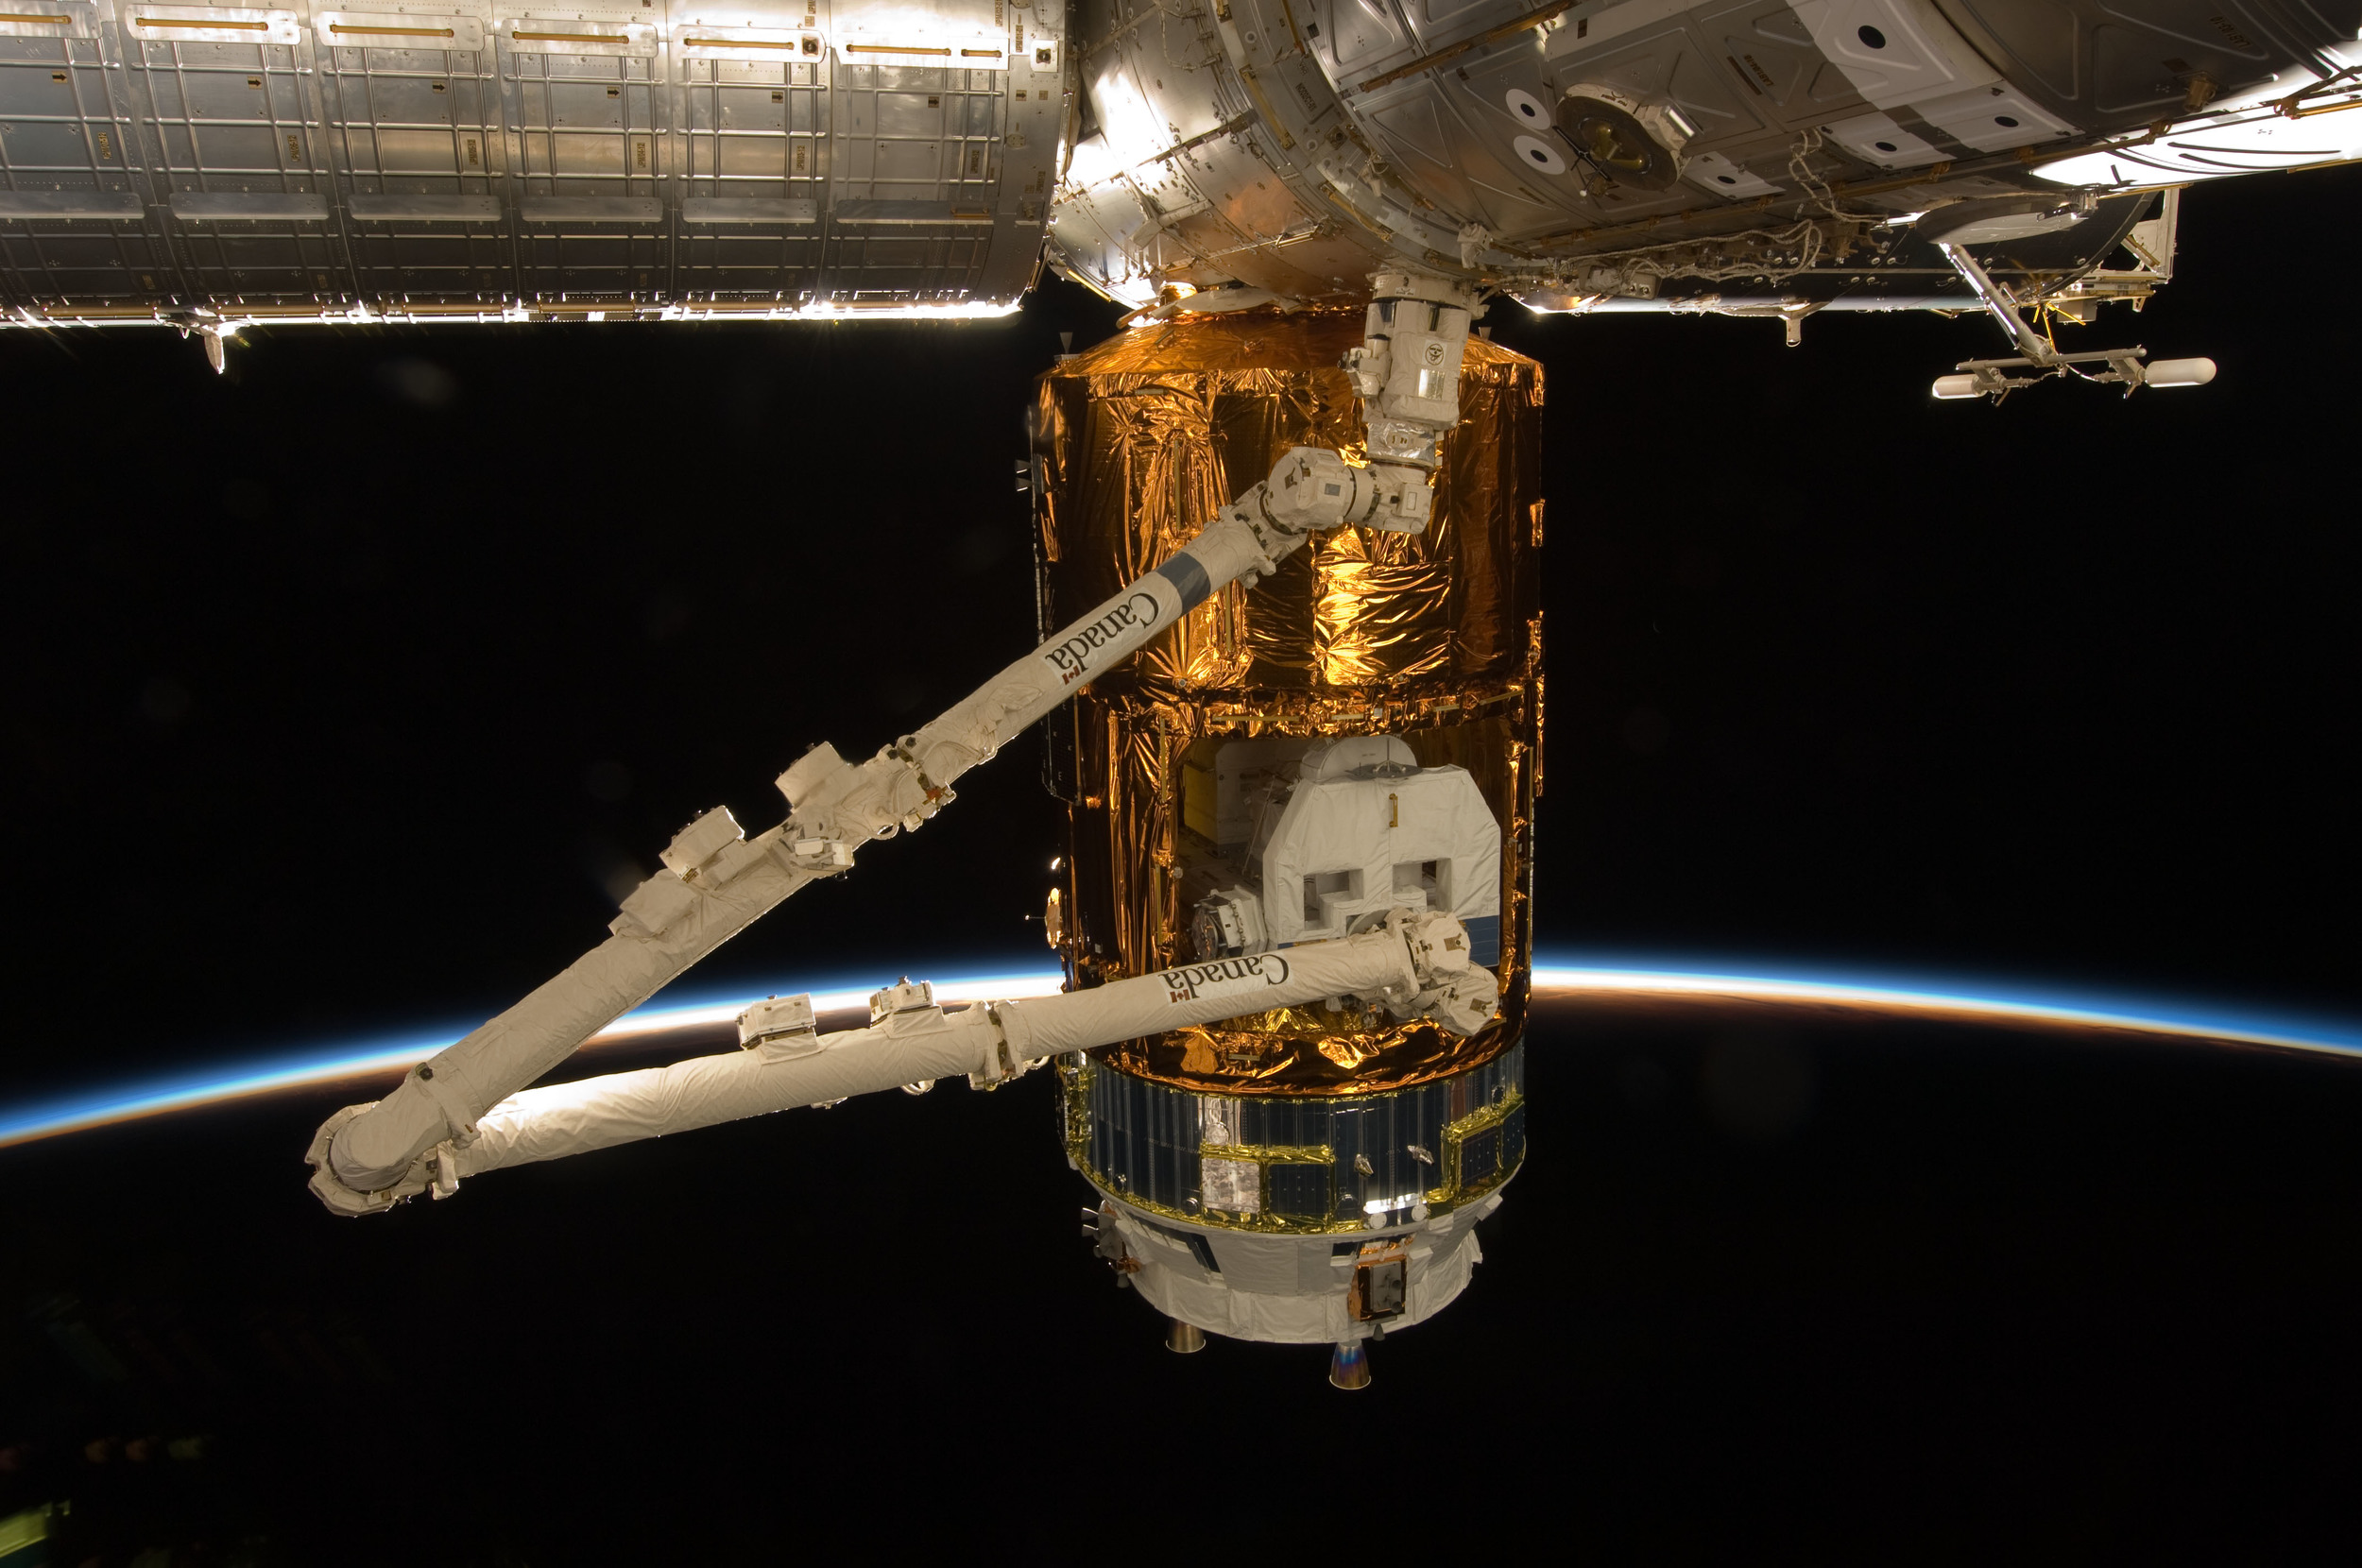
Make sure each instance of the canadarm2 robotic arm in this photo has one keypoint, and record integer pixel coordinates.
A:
(1417, 965)
(716, 882)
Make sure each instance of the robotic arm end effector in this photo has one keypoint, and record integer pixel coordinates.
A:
(1455, 993)
(1407, 374)
(1311, 489)
(436, 1170)
(1462, 1004)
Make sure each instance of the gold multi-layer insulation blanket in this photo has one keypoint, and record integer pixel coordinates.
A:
(1434, 637)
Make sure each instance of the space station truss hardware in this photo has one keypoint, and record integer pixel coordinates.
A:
(212, 168)
(2127, 368)
(1415, 962)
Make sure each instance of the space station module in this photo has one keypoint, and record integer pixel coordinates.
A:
(216, 168)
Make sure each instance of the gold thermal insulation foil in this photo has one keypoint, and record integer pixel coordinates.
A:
(1435, 638)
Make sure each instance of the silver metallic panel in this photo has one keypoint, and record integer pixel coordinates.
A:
(292, 159)
(866, 210)
(39, 19)
(750, 209)
(116, 206)
(207, 25)
(424, 208)
(644, 210)
(418, 29)
(200, 206)
(573, 34)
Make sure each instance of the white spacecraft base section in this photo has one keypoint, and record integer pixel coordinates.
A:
(1417, 965)
(1292, 1290)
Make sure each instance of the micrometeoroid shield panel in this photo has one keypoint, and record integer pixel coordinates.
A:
(1182, 767)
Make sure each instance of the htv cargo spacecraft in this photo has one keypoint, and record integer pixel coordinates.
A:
(1299, 736)
(1290, 673)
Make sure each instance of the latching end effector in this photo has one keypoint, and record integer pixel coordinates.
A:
(1455, 993)
(1407, 374)
(1311, 489)
(834, 806)
(437, 1170)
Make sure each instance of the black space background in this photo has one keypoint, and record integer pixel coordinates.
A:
(336, 689)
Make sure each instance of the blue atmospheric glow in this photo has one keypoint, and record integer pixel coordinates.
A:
(1993, 997)
(1568, 973)
(215, 1081)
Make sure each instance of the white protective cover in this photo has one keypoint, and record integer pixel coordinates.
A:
(1367, 965)
(1369, 826)
(599, 1112)
(1291, 1289)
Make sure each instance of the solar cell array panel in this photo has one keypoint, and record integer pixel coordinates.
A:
(1301, 1163)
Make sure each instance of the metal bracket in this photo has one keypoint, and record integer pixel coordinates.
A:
(1979, 378)
(1991, 377)
(216, 336)
(1999, 304)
